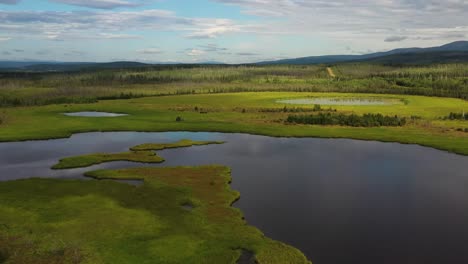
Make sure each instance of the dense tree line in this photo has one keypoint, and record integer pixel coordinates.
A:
(457, 116)
(316, 108)
(366, 120)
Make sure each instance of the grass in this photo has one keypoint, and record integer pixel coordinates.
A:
(141, 153)
(180, 144)
(72, 221)
(242, 112)
(98, 158)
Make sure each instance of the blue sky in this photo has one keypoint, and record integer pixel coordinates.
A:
(230, 31)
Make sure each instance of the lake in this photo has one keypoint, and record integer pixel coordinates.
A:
(337, 200)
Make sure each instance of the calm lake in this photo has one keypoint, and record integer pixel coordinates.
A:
(337, 200)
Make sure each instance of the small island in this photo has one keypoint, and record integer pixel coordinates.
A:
(142, 153)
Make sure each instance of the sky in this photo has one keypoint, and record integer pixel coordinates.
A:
(227, 31)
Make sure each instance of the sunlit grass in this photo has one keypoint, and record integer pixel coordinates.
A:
(59, 221)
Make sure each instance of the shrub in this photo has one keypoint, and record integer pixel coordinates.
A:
(457, 116)
(366, 120)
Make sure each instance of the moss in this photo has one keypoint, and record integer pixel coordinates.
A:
(142, 153)
(180, 144)
(110, 222)
(98, 158)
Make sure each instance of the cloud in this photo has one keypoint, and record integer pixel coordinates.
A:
(356, 21)
(212, 48)
(42, 52)
(18, 50)
(195, 52)
(74, 53)
(213, 29)
(150, 51)
(6, 53)
(9, 2)
(60, 25)
(395, 39)
(100, 4)
(118, 36)
(246, 54)
(4, 38)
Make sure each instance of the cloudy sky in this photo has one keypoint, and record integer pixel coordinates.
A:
(230, 31)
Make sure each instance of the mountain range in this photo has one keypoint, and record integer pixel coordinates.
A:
(452, 52)
(455, 52)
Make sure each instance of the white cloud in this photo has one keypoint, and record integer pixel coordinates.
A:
(150, 51)
(214, 28)
(118, 36)
(59, 25)
(195, 52)
(365, 19)
(4, 38)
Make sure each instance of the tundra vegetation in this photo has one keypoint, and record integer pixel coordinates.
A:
(74, 221)
(141, 153)
(58, 221)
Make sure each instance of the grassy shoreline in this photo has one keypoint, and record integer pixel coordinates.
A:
(128, 224)
(142, 153)
(223, 115)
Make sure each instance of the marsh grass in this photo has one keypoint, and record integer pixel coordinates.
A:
(109, 222)
(98, 158)
(180, 144)
(158, 114)
(141, 153)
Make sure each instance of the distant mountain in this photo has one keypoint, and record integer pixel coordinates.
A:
(422, 58)
(19, 64)
(77, 66)
(418, 55)
(452, 52)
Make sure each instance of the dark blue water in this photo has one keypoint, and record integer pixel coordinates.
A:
(339, 201)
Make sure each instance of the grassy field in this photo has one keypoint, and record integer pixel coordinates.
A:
(141, 153)
(179, 215)
(256, 113)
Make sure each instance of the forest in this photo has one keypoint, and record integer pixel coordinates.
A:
(86, 86)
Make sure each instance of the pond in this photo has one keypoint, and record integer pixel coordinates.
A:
(94, 114)
(339, 101)
(337, 200)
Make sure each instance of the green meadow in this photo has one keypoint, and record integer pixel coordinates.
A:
(178, 215)
(250, 112)
(141, 153)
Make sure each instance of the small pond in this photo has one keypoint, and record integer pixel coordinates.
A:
(94, 114)
(337, 200)
(338, 101)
